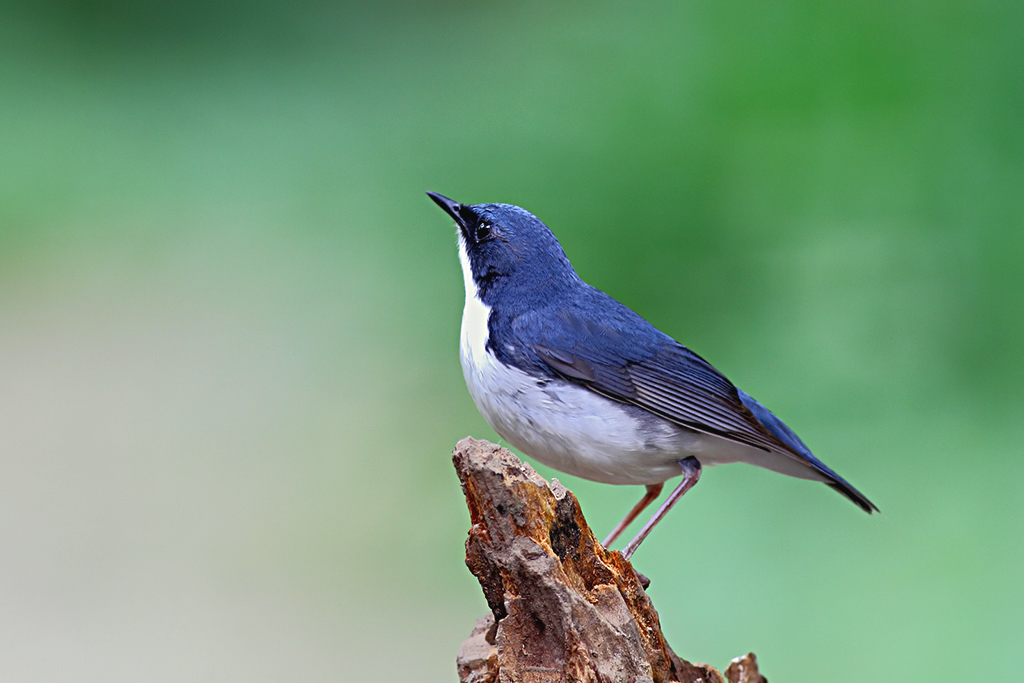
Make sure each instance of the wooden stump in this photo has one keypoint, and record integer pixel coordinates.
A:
(562, 607)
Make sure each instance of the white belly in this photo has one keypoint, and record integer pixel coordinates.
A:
(575, 430)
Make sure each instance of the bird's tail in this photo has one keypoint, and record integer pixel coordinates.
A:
(784, 434)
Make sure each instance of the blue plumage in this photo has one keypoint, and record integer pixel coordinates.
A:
(584, 384)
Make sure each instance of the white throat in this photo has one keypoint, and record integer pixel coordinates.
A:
(475, 314)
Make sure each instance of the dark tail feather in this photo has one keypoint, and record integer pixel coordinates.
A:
(858, 498)
(786, 436)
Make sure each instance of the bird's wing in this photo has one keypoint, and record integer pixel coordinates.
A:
(623, 357)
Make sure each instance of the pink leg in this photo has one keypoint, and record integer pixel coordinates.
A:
(653, 491)
(691, 473)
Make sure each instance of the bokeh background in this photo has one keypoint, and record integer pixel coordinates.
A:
(229, 380)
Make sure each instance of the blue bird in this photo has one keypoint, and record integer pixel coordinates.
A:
(575, 379)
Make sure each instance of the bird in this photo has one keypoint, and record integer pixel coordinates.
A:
(578, 381)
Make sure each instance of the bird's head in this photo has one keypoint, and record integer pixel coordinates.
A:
(507, 250)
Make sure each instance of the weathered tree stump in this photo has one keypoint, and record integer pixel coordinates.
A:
(562, 607)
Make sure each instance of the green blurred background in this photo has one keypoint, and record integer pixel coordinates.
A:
(229, 380)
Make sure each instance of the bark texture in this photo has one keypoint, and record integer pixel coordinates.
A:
(562, 607)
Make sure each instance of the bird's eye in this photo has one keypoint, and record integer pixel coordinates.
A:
(483, 231)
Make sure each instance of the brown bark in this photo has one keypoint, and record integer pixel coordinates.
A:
(562, 607)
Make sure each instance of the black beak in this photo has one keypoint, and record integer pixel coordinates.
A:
(453, 209)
